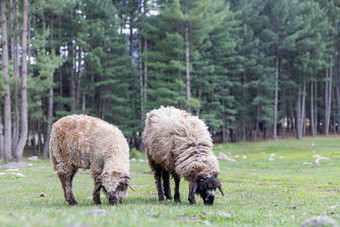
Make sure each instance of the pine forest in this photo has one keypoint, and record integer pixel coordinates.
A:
(251, 69)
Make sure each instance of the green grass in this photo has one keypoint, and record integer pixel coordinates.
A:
(257, 192)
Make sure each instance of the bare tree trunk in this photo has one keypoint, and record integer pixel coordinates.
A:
(298, 116)
(16, 64)
(312, 110)
(72, 79)
(141, 82)
(1, 139)
(224, 131)
(7, 99)
(333, 111)
(24, 114)
(276, 93)
(79, 79)
(338, 98)
(187, 61)
(145, 75)
(328, 96)
(49, 119)
(284, 113)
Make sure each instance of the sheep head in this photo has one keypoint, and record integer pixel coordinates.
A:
(115, 186)
(206, 187)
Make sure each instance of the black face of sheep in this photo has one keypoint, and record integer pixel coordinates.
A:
(206, 187)
(114, 186)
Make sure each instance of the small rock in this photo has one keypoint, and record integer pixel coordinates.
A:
(335, 206)
(318, 221)
(132, 160)
(206, 222)
(154, 214)
(12, 170)
(19, 174)
(271, 157)
(281, 157)
(307, 163)
(141, 160)
(42, 195)
(244, 157)
(98, 212)
(317, 156)
(78, 225)
(21, 218)
(222, 156)
(229, 214)
(14, 165)
(292, 207)
(33, 158)
(2, 174)
(317, 161)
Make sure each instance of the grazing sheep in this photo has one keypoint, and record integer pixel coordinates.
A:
(80, 141)
(180, 144)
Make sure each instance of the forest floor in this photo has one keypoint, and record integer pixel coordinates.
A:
(283, 192)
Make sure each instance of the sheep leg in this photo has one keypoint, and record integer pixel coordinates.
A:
(166, 184)
(158, 178)
(66, 181)
(177, 196)
(96, 192)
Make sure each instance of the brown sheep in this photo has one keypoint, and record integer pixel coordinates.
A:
(180, 144)
(80, 141)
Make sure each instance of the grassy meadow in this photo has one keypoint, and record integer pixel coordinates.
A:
(258, 192)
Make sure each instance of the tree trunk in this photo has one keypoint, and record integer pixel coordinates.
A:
(1, 139)
(24, 114)
(284, 112)
(298, 116)
(141, 82)
(312, 110)
(71, 68)
(49, 119)
(338, 98)
(79, 79)
(257, 122)
(187, 62)
(7, 98)
(328, 97)
(276, 93)
(145, 74)
(16, 64)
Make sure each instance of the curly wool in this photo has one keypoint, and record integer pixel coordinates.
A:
(180, 142)
(81, 141)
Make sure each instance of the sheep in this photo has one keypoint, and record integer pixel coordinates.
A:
(81, 141)
(180, 144)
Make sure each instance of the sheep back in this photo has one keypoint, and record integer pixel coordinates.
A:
(180, 142)
(83, 141)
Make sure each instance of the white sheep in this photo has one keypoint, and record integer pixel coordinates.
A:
(80, 141)
(180, 144)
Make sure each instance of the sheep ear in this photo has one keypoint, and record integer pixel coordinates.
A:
(97, 188)
(220, 186)
(192, 191)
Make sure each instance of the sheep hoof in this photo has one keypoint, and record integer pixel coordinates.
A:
(168, 197)
(177, 200)
(97, 202)
(73, 203)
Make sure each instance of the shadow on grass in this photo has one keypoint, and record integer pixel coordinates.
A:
(105, 204)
